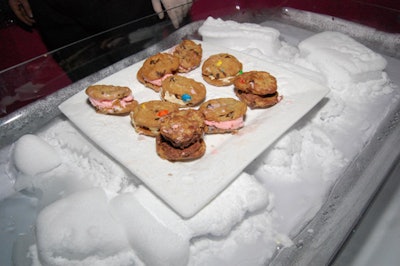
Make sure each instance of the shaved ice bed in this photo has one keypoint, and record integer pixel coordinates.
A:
(92, 211)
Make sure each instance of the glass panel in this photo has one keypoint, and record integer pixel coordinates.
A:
(47, 73)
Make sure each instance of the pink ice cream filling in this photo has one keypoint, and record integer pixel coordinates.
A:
(231, 124)
(109, 103)
(158, 82)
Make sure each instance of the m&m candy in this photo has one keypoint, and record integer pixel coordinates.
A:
(162, 113)
(186, 97)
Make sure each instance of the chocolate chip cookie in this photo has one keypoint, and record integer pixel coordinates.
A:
(189, 54)
(181, 136)
(156, 68)
(223, 115)
(258, 89)
(221, 69)
(109, 99)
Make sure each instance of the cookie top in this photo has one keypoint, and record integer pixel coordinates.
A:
(189, 54)
(221, 69)
(145, 117)
(256, 82)
(107, 92)
(157, 67)
(182, 128)
(223, 109)
(255, 101)
(183, 91)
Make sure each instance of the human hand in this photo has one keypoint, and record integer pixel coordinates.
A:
(176, 9)
(22, 10)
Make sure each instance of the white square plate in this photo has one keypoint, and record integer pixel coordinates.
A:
(188, 186)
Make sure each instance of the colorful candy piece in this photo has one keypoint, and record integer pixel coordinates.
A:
(162, 113)
(186, 97)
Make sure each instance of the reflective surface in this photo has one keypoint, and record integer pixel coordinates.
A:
(375, 240)
(350, 197)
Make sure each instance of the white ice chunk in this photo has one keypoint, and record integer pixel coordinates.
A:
(153, 241)
(341, 58)
(79, 230)
(32, 155)
(246, 244)
(244, 195)
(240, 36)
(61, 182)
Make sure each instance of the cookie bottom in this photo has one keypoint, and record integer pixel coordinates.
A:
(166, 151)
(215, 130)
(255, 101)
(145, 131)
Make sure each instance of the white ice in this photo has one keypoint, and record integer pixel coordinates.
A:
(152, 240)
(79, 229)
(342, 58)
(32, 155)
(238, 35)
